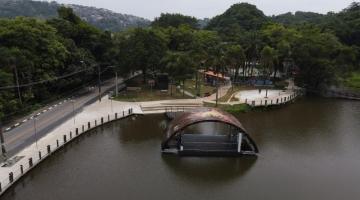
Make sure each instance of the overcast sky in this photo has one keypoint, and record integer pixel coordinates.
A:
(209, 8)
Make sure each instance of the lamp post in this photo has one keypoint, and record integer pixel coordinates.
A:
(17, 82)
(266, 94)
(111, 104)
(2, 140)
(116, 84)
(35, 132)
(73, 107)
(99, 81)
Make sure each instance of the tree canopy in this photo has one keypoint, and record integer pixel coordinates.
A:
(319, 49)
(174, 20)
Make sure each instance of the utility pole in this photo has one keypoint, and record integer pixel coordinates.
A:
(3, 150)
(217, 92)
(73, 106)
(112, 110)
(266, 95)
(17, 82)
(99, 82)
(35, 132)
(116, 84)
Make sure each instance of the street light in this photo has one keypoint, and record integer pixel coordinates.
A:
(99, 82)
(3, 150)
(111, 105)
(116, 80)
(116, 84)
(35, 133)
(73, 106)
(99, 79)
(110, 97)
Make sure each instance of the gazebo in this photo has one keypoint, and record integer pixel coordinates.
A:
(232, 139)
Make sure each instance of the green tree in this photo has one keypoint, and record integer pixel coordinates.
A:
(204, 42)
(175, 20)
(238, 18)
(235, 57)
(179, 66)
(315, 53)
(268, 61)
(141, 49)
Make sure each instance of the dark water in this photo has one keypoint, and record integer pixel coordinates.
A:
(308, 150)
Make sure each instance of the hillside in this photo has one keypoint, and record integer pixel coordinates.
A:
(242, 16)
(299, 18)
(101, 18)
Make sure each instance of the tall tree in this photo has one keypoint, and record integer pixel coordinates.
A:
(175, 20)
(179, 66)
(268, 61)
(235, 57)
(142, 49)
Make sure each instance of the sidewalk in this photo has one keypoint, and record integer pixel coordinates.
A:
(90, 115)
(22, 135)
(102, 112)
(256, 97)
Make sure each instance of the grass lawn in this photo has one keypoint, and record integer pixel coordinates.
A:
(146, 94)
(239, 108)
(353, 81)
(204, 88)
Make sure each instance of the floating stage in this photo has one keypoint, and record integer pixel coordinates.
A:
(207, 132)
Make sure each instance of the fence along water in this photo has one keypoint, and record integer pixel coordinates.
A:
(42, 154)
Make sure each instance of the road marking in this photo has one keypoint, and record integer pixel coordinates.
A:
(44, 111)
(8, 129)
(17, 124)
(24, 120)
(32, 117)
(60, 103)
(38, 114)
(50, 108)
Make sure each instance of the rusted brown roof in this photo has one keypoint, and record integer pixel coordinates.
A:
(201, 115)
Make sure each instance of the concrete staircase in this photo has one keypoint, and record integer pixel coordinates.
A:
(169, 107)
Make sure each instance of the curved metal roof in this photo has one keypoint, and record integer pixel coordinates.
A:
(200, 115)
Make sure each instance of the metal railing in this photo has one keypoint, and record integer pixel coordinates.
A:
(275, 101)
(43, 153)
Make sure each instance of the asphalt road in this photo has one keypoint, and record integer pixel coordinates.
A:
(24, 134)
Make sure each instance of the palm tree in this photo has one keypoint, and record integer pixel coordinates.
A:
(199, 57)
(284, 53)
(235, 57)
(268, 60)
(218, 60)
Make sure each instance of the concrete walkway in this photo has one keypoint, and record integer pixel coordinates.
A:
(153, 107)
(258, 97)
(90, 117)
(222, 92)
(265, 98)
(21, 134)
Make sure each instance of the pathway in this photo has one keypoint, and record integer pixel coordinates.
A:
(91, 116)
(21, 135)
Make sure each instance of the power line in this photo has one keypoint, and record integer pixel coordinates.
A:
(44, 81)
(71, 93)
